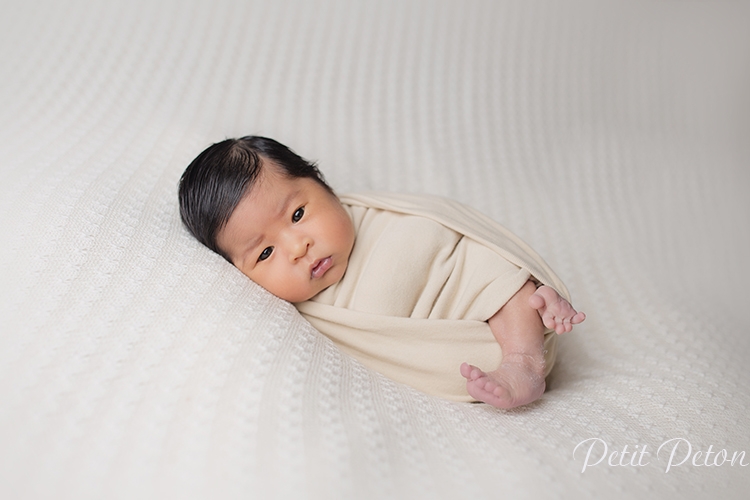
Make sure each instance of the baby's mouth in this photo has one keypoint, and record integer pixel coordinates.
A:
(320, 267)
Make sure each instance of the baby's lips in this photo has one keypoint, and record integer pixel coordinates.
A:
(320, 267)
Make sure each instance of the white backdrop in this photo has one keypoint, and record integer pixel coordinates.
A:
(135, 364)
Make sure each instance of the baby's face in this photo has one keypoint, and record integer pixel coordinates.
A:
(289, 235)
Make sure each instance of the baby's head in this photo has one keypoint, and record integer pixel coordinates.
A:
(269, 212)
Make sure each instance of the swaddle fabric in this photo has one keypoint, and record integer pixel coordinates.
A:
(424, 276)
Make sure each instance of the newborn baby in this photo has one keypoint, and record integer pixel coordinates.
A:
(406, 284)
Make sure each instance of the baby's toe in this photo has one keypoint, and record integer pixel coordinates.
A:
(489, 386)
(536, 301)
(549, 321)
(567, 324)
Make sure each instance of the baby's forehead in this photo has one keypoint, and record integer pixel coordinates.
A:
(270, 195)
(270, 177)
(257, 187)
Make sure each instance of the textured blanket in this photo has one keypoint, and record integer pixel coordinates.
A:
(425, 275)
(611, 136)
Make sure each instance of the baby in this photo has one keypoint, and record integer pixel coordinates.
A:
(271, 214)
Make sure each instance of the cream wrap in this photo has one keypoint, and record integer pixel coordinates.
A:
(424, 276)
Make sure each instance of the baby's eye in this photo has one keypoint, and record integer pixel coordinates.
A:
(298, 214)
(266, 253)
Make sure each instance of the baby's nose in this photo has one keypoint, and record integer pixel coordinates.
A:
(300, 247)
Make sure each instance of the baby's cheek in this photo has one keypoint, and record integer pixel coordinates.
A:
(246, 273)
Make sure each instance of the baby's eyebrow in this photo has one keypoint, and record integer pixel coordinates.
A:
(253, 243)
(284, 206)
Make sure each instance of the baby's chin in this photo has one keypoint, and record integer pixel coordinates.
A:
(332, 277)
(314, 293)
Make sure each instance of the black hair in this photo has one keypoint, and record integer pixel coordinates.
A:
(216, 180)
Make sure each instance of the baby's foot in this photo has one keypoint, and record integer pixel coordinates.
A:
(557, 314)
(518, 381)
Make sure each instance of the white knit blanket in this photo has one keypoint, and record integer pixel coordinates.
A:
(611, 136)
